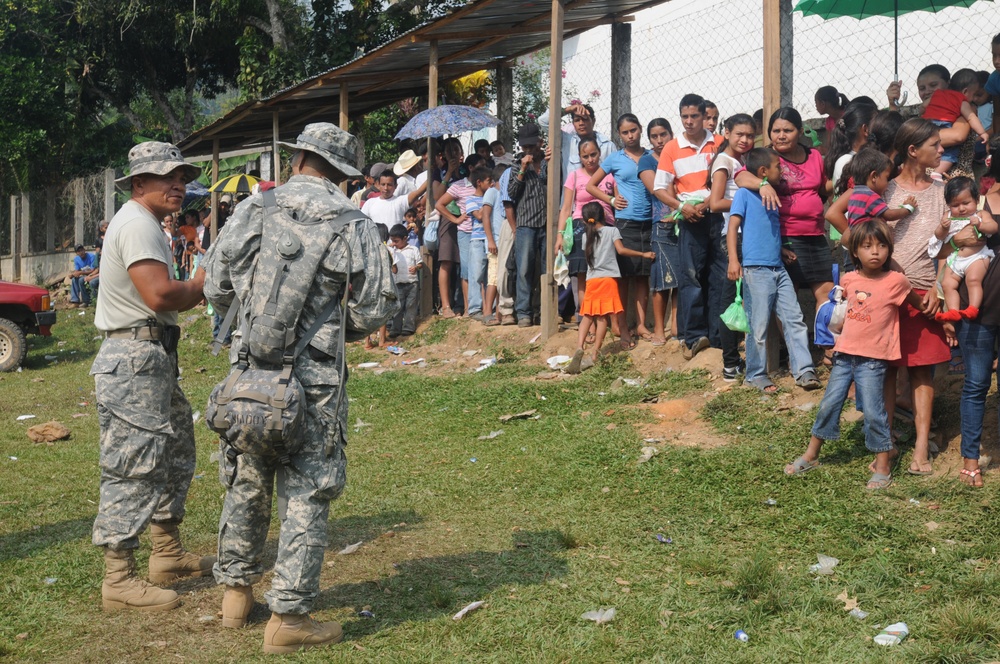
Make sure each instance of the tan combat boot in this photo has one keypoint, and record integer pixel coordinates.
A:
(236, 605)
(169, 561)
(286, 633)
(122, 589)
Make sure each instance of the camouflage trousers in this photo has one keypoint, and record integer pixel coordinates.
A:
(316, 476)
(147, 440)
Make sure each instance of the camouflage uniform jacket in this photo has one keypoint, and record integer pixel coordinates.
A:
(229, 263)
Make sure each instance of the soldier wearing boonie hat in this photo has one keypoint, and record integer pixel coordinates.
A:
(324, 156)
(146, 433)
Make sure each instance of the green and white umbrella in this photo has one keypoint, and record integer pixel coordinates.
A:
(861, 9)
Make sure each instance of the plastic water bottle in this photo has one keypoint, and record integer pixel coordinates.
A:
(740, 635)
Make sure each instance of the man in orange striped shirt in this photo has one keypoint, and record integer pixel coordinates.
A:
(682, 183)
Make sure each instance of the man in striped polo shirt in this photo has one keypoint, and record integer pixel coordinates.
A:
(682, 173)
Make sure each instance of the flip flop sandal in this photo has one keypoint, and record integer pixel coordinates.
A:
(920, 473)
(591, 338)
(491, 322)
(447, 313)
(808, 381)
(800, 466)
(879, 481)
(766, 388)
(658, 341)
(628, 345)
(971, 474)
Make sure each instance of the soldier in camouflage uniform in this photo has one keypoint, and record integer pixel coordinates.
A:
(324, 156)
(147, 439)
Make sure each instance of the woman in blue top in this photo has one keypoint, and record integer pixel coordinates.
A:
(633, 215)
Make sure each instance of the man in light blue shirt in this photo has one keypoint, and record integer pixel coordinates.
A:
(583, 127)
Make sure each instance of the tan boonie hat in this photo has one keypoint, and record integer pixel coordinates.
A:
(156, 158)
(332, 143)
(406, 161)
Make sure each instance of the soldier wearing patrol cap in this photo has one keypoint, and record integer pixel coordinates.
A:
(323, 156)
(147, 451)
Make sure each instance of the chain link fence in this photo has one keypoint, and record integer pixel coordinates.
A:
(715, 48)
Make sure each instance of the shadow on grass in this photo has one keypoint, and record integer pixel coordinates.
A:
(427, 588)
(27, 543)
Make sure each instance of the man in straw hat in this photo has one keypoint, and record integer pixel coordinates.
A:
(315, 474)
(407, 168)
(147, 452)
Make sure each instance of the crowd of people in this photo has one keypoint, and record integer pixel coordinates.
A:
(770, 208)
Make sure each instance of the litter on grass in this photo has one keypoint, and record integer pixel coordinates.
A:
(409, 363)
(396, 350)
(368, 365)
(558, 361)
(740, 635)
(49, 580)
(663, 539)
(600, 616)
(893, 635)
(467, 610)
(365, 613)
(858, 613)
(350, 548)
(51, 357)
(535, 338)
(12, 458)
(771, 502)
(21, 418)
(470, 353)
(825, 565)
(486, 364)
(518, 416)
(195, 416)
(647, 453)
(491, 435)
(632, 382)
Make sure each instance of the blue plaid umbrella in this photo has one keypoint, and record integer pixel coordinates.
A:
(446, 120)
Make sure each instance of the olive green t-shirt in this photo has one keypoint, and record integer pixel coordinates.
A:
(134, 234)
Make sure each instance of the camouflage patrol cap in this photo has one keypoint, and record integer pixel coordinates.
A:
(332, 143)
(156, 158)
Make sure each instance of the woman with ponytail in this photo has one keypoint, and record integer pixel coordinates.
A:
(922, 342)
(832, 104)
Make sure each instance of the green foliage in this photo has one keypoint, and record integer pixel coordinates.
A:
(377, 131)
(531, 95)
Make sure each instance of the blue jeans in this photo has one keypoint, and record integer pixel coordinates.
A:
(766, 291)
(477, 275)
(977, 343)
(78, 291)
(529, 251)
(702, 279)
(463, 255)
(869, 375)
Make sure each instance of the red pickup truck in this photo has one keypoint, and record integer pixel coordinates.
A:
(23, 310)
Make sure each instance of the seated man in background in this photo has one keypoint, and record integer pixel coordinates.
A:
(83, 264)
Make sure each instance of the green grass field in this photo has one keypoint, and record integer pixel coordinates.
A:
(550, 519)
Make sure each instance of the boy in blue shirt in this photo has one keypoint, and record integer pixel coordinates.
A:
(767, 288)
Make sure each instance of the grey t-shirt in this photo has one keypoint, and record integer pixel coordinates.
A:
(605, 256)
(133, 235)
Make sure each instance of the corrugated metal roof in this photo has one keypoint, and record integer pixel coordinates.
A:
(480, 35)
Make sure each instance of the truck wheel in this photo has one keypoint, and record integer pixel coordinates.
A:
(13, 347)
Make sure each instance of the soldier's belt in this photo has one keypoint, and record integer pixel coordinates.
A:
(136, 333)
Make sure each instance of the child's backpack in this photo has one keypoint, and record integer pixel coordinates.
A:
(258, 410)
(831, 314)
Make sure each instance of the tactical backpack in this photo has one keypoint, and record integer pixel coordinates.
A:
(259, 410)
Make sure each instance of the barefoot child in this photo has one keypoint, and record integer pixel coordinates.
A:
(601, 243)
(767, 288)
(869, 341)
(946, 106)
(969, 263)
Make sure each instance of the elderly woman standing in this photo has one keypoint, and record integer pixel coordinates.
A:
(922, 342)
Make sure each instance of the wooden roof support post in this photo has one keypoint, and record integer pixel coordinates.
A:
(215, 195)
(344, 121)
(504, 79)
(275, 149)
(621, 76)
(429, 272)
(549, 290)
(778, 55)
